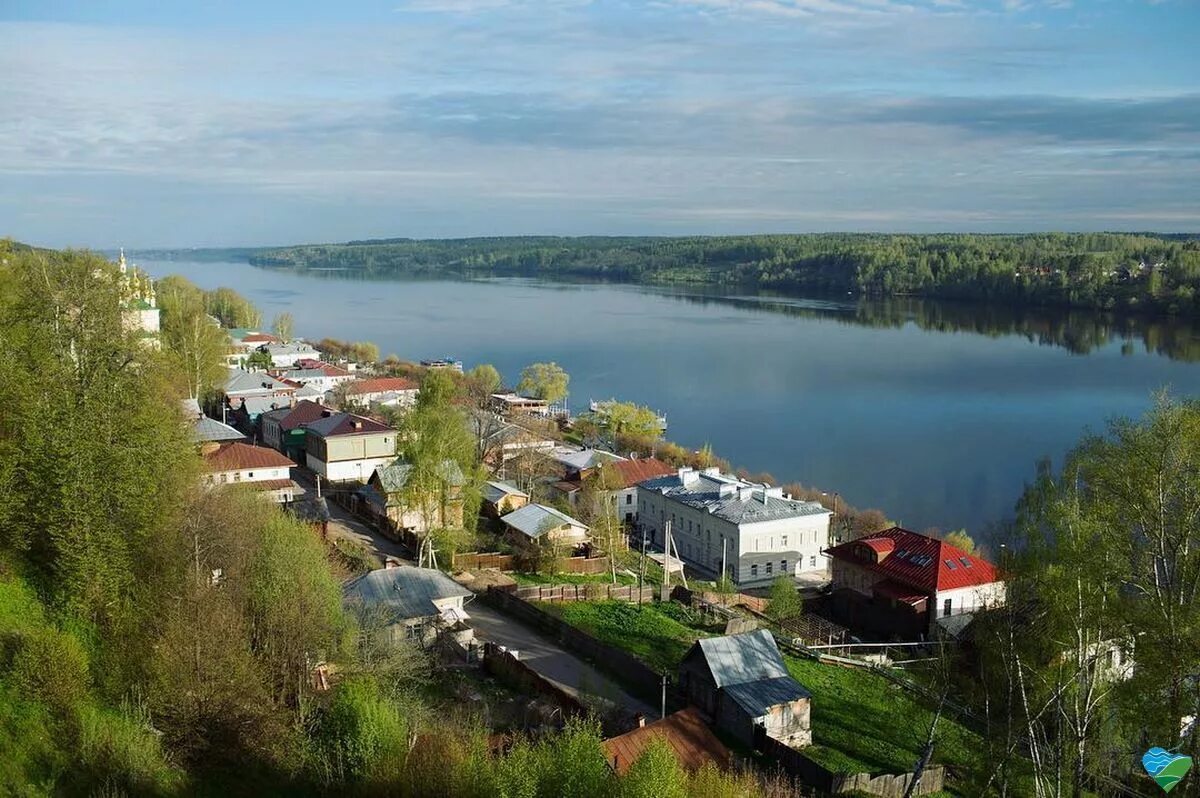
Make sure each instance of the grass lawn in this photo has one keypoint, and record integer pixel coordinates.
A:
(657, 634)
(862, 722)
(530, 579)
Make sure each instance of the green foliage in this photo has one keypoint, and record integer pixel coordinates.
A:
(259, 360)
(283, 325)
(785, 602)
(121, 750)
(546, 381)
(360, 737)
(232, 309)
(191, 335)
(961, 539)
(1099, 270)
(658, 634)
(655, 774)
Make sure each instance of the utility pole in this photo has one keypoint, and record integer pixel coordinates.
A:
(642, 567)
(724, 546)
(666, 558)
(663, 712)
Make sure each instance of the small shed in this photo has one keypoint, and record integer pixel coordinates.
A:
(741, 682)
(500, 498)
(537, 522)
(685, 732)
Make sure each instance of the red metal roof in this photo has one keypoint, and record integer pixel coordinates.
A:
(636, 471)
(692, 742)
(880, 545)
(918, 561)
(381, 385)
(238, 456)
(303, 413)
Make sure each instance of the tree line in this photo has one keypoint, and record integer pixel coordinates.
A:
(1125, 271)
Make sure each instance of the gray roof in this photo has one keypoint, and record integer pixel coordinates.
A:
(257, 405)
(403, 592)
(191, 408)
(738, 659)
(240, 381)
(209, 429)
(955, 625)
(394, 476)
(495, 491)
(534, 520)
(732, 499)
(757, 698)
(290, 348)
(584, 458)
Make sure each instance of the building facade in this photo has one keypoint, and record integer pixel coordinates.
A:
(343, 447)
(755, 530)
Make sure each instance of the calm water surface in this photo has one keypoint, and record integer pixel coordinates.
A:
(934, 412)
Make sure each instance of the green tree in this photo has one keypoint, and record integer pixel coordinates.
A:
(655, 774)
(546, 381)
(961, 539)
(232, 309)
(483, 381)
(784, 603)
(194, 337)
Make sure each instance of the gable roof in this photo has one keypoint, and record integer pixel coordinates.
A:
(533, 520)
(381, 385)
(918, 561)
(208, 430)
(582, 459)
(345, 424)
(495, 491)
(738, 659)
(404, 592)
(394, 476)
(637, 471)
(757, 698)
(238, 456)
(690, 739)
(304, 413)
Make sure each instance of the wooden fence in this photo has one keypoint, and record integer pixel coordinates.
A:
(509, 669)
(828, 782)
(585, 565)
(473, 560)
(593, 591)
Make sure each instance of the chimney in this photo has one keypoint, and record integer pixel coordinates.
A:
(356, 423)
(641, 720)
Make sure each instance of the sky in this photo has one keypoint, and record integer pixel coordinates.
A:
(298, 121)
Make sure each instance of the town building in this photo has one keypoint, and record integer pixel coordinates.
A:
(685, 733)
(756, 531)
(240, 383)
(286, 355)
(898, 584)
(513, 404)
(741, 682)
(320, 377)
(260, 468)
(204, 429)
(501, 498)
(409, 604)
(385, 391)
(443, 363)
(243, 342)
(390, 498)
(139, 306)
(284, 428)
(344, 447)
(537, 522)
(622, 478)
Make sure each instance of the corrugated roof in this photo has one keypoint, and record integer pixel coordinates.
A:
(304, 413)
(730, 498)
(692, 742)
(637, 471)
(534, 520)
(403, 592)
(757, 698)
(582, 459)
(919, 561)
(238, 456)
(737, 659)
(344, 424)
(381, 385)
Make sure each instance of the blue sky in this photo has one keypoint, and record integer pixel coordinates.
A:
(203, 124)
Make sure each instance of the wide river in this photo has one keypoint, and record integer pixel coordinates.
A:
(934, 412)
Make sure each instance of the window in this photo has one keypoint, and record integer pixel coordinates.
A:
(946, 607)
(783, 540)
(629, 498)
(812, 562)
(250, 474)
(783, 566)
(753, 571)
(769, 565)
(949, 564)
(965, 562)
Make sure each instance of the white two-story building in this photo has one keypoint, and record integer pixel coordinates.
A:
(755, 532)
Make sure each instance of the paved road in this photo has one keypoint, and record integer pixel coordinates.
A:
(344, 524)
(550, 660)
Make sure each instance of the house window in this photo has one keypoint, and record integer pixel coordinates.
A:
(783, 566)
(629, 498)
(812, 562)
(946, 606)
(769, 566)
(753, 571)
(250, 474)
(783, 540)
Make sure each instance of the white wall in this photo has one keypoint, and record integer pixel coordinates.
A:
(969, 599)
(347, 470)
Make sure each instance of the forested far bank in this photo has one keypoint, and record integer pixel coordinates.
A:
(1114, 271)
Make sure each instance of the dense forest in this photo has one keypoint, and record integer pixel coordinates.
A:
(1112, 271)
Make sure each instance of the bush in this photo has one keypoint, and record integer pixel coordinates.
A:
(359, 736)
(121, 750)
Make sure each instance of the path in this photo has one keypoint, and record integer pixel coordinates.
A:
(344, 524)
(549, 659)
